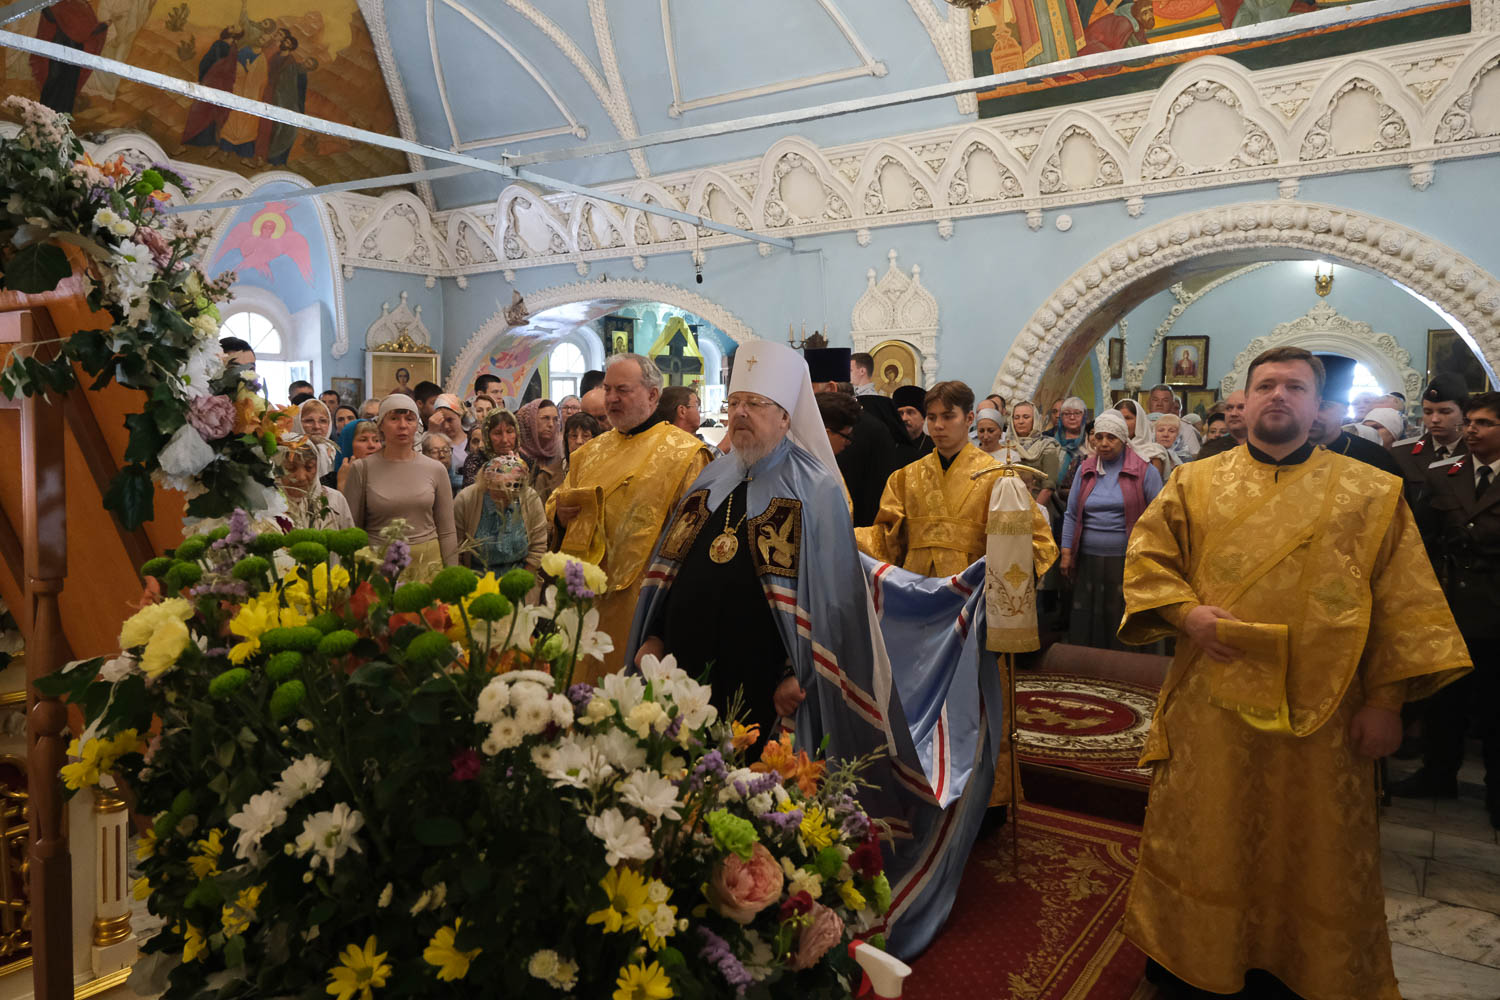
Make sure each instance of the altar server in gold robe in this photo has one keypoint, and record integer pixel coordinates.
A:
(1306, 612)
(620, 489)
(932, 512)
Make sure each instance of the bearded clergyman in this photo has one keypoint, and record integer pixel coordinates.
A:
(1306, 613)
(619, 491)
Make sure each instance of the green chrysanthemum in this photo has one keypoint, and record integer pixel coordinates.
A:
(411, 597)
(228, 682)
(287, 698)
(283, 665)
(309, 553)
(156, 567)
(732, 833)
(489, 607)
(192, 547)
(337, 643)
(516, 584)
(182, 574)
(251, 568)
(429, 647)
(347, 541)
(454, 584)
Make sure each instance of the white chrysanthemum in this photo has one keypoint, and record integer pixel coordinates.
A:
(302, 778)
(600, 708)
(625, 690)
(528, 693)
(623, 838)
(504, 735)
(329, 835)
(579, 765)
(566, 976)
(385, 896)
(543, 964)
(651, 793)
(664, 922)
(262, 814)
(740, 775)
(672, 765)
(621, 750)
(758, 804)
(533, 716)
(562, 711)
(492, 701)
(544, 756)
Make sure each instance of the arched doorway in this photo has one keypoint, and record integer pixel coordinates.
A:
(1054, 343)
(575, 315)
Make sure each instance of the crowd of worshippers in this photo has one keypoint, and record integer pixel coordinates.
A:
(478, 484)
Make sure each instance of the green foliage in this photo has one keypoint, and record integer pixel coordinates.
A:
(37, 268)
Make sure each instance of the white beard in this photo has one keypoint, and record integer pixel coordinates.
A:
(747, 455)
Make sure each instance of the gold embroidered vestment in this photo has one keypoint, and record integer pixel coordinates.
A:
(1260, 848)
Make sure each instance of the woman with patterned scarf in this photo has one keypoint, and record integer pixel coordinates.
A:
(498, 437)
(541, 445)
(501, 523)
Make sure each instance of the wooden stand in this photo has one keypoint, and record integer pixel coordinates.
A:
(45, 565)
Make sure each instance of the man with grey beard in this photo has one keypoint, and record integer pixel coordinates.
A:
(727, 583)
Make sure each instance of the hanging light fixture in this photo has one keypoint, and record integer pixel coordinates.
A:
(968, 4)
(1323, 278)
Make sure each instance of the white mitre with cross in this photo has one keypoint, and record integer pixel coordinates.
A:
(779, 373)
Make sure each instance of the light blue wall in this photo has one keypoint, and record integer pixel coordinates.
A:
(1250, 305)
(363, 296)
(994, 273)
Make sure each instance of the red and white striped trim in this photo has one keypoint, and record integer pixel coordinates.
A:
(875, 591)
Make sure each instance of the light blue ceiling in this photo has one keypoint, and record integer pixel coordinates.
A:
(720, 47)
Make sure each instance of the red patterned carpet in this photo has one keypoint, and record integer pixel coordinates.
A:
(1047, 929)
(1085, 725)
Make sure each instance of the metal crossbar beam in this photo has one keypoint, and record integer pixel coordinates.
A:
(1354, 13)
(21, 8)
(224, 99)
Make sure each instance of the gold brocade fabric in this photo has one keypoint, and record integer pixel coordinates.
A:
(625, 488)
(1260, 848)
(930, 521)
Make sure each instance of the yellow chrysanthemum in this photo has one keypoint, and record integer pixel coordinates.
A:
(145, 844)
(359, 971)
(816, 833)
(86, 769)
(141, 889)
(555, 564)
(193, 943)
(643, 982)
(451, 963)
(254, 618)
(164, 647)
(627, 894)
(851, 896)
(296, 590)
(141, 626)
(237, 916)
(206, 861)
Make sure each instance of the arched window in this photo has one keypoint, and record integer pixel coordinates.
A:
(565, 368)
(267, 341)
(1364, 382)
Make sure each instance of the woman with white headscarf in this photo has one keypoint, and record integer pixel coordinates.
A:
(313, 423)
(1142, 441)
(989, 429)
(1167, 429)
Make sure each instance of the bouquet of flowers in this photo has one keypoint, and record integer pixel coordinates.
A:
(378, 789)
(204, 430)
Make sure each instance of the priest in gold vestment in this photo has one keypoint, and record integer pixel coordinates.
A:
(1306, 612)
(619, 491)
(932, 512)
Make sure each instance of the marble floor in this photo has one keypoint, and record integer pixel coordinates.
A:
(1441, 864)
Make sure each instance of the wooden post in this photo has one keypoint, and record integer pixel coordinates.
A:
(43, 535)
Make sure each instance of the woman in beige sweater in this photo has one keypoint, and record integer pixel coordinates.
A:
(399, 483)
(500, 519)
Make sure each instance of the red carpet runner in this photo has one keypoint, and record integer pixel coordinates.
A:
(1047, 929)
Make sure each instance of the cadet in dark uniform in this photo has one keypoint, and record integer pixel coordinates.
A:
(1464, 507)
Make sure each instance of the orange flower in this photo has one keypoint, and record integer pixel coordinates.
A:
(779, 756)
(744, 736)
(115, 169)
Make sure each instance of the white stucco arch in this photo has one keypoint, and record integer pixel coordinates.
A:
(1324, 329)
(1047, 351)
(583, 291)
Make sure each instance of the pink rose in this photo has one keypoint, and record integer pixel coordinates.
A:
(211, 416)
(741, 889)
(824, 929)
(161, 250)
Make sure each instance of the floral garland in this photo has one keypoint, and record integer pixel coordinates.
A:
(204, 430)
(379, 790)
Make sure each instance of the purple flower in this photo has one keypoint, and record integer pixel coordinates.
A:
(221, 588)
(856, 825)
(573, 576)
(211, 416)
(783, 821)
(580, 695)
(717, 952)
(710, 763)
(397, 558)
(239, 531)
(673, 728)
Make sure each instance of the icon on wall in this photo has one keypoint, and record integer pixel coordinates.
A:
(895, 366)
(1184, 361)
(1117, 357)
